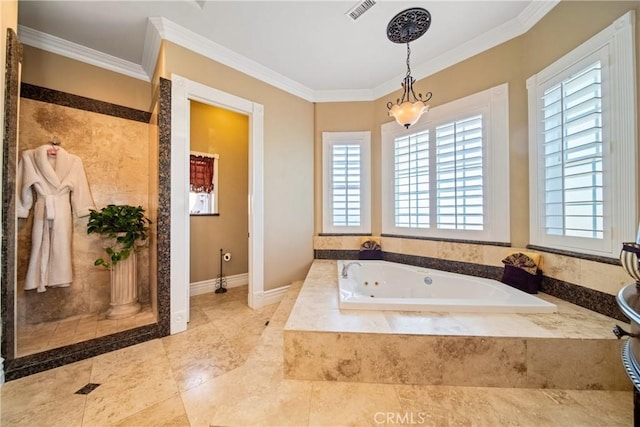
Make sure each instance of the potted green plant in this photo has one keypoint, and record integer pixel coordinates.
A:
(125, 229)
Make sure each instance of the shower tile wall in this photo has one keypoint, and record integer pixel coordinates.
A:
(115, 155)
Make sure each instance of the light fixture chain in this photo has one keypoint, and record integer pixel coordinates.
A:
(408, 56)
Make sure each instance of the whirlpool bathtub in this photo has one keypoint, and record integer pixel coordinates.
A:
(383, 285)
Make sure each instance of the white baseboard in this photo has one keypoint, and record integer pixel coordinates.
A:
(269, 297)
(205, 286)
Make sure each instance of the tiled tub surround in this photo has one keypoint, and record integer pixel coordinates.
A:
(587, 283)
(571, 349)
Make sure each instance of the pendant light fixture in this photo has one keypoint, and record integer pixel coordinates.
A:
(405, 27)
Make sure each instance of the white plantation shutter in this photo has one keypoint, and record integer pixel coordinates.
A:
(572, 135)
(346, 182)
(346, 185)
(447, 177)
(411, 155)
(459, 175)
(583, 184)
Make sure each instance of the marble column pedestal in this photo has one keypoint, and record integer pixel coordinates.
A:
(124, 289)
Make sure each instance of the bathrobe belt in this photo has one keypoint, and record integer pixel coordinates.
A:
(49, 206)
(49, 214)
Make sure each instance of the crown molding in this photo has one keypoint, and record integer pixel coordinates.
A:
(181, 36)
(498, 35)
(63, 47)
(159, 28)
(151, 50)
(343, 95)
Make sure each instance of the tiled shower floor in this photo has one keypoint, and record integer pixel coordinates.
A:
(48, 335)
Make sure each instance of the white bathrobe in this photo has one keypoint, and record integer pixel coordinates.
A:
(56, 180)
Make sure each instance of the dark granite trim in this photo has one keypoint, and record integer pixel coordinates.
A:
(336, 254)
(52, 96)
(470, 269)
(439, 239)
(164, 207)
(50, 359)
(343, 234)
(591, 299)
(9, 156)
(596, 258)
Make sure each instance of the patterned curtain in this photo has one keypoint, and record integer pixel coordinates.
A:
(201, 174)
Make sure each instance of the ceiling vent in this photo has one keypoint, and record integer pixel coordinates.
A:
(359, 9)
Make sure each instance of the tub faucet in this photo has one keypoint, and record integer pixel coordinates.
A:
(345, 268)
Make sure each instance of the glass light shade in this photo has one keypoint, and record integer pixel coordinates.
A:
(408, 113)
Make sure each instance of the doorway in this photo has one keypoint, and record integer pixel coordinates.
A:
(182, 92)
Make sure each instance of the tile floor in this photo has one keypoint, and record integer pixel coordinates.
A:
(226, 370)
(48, 335)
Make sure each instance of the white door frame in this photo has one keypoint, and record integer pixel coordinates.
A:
(183, 90)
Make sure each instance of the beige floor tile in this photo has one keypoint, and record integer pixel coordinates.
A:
(132, 380)
(351, 404)
(66, 412)
(126, 361)
(168, 413)
(286, 403)
(199, 355)
(197, 318)
(201, 402)
(32, 400)
(227, 369)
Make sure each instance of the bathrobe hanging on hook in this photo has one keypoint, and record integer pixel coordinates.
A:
(60, 184)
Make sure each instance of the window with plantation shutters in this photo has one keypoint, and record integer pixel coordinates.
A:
(572, 135)
(412, 180)
(582, 146)
(459, 172)
(448, 175)
(346, 186)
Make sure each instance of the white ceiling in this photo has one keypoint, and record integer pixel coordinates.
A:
(310, 47)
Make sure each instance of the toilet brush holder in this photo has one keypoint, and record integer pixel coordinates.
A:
(221, 280)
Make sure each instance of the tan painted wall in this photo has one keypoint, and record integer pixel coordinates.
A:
(342, 117)
(226, 133)
(514, 61)
(82, 79)
(288, 161)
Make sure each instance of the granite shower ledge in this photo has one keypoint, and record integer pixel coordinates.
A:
(316, 309)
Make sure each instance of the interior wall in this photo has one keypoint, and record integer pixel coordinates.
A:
(341, 117)
(513, 62)
(288, 160)
(64, 74)
(114, 153)
(560, 31)
(226, 133)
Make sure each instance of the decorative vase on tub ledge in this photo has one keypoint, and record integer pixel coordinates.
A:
(125, 230)
(629, 260)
